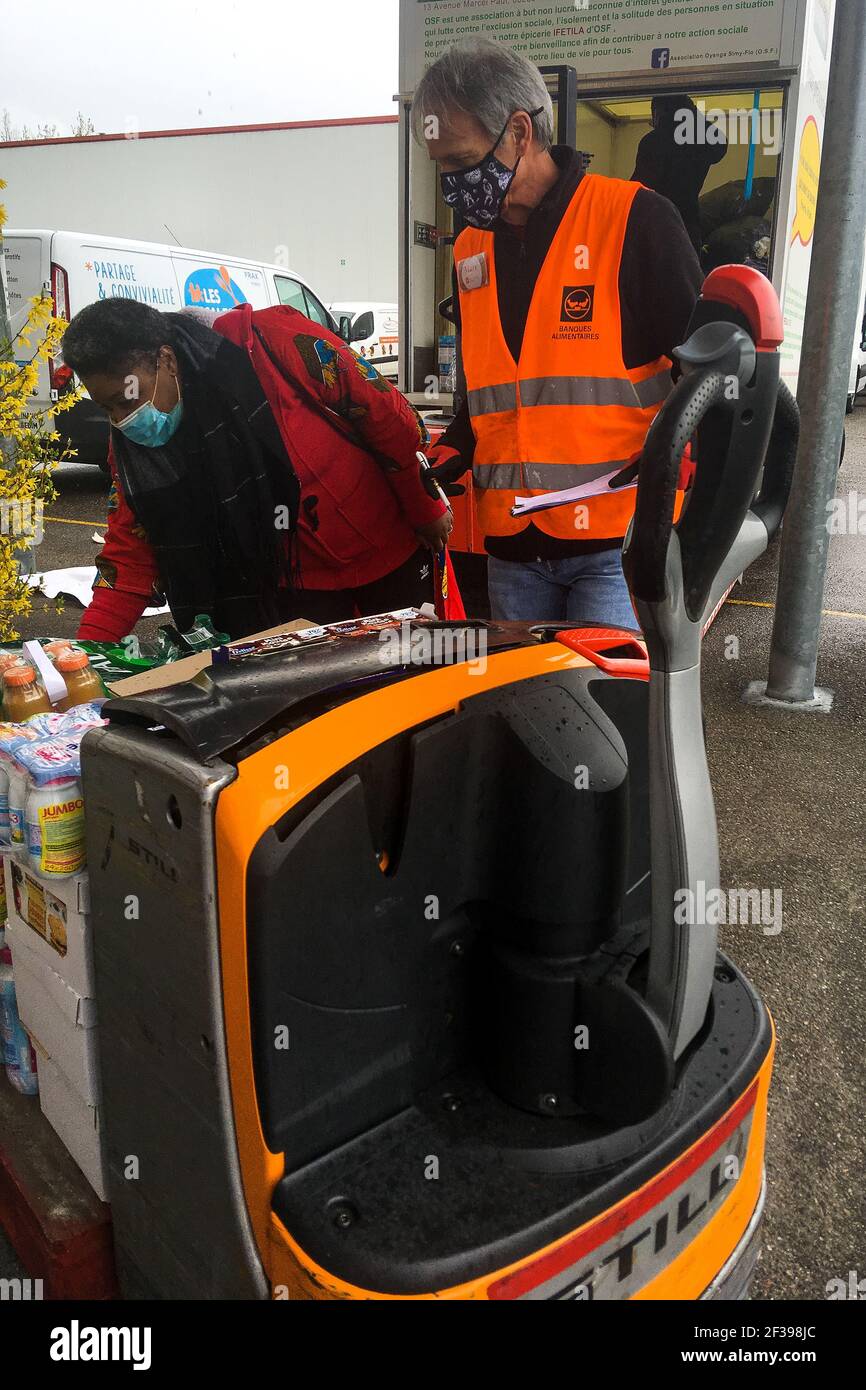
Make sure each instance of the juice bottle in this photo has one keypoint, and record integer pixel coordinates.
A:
(22, 694)
(7, 660)
(82, 682)
(55, 649)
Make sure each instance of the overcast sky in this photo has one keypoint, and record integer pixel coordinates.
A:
(180, 63)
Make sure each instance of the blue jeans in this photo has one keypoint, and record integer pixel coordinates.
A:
(584, 588)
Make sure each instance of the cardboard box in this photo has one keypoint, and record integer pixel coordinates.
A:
(74, 1120)
(175, 672)
(60, 1020)
(55, 915)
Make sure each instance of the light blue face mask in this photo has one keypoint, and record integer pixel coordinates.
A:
(149, 426)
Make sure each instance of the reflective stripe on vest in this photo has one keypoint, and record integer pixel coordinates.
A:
(488, 400)
(527, 478)
(570, 390)
(570, 410)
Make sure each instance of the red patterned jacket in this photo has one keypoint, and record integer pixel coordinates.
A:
(358, 518)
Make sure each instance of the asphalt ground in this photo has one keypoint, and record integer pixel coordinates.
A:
(789, 791)
(790, 803)
(68, 526)
(10, 1265)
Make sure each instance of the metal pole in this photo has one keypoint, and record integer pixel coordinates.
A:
(405, 365)
(832, 308)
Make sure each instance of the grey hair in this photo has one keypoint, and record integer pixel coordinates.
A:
(486, 81)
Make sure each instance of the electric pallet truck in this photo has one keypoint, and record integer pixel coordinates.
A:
(396, 996)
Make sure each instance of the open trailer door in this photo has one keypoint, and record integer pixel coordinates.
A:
(758, 78)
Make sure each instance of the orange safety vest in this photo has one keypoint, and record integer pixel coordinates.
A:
(570, 410)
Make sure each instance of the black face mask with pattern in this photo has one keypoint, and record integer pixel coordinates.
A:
(477, 194)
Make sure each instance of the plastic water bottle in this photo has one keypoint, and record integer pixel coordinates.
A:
(54, 828)
(8, 1008)
(18, 1055)
(24, 1078)
(4, 803)
(19, 784)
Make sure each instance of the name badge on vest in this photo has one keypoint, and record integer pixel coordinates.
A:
(473, 272)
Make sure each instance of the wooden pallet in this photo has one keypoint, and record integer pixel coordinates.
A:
(56, 1224)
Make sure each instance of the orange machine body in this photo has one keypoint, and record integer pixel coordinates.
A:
(718, 1212)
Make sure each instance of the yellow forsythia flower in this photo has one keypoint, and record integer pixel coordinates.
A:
(30, 449)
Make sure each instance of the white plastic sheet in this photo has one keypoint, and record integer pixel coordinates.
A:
(76, 582)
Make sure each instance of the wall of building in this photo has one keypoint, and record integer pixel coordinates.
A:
(321, 199)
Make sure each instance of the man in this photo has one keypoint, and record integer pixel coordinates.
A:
(675, 157)
(572, 291)
(261, 471)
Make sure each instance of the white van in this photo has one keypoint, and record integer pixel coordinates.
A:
(373, 331)
(857, 376)
(79, 269)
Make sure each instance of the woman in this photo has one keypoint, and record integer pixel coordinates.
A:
(260, 472)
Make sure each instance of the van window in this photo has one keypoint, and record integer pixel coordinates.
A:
(290, 293)
(316, 311)
(302, 299)
(23, 259)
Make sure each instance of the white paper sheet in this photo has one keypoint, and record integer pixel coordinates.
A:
(76, 582)
(523, 506)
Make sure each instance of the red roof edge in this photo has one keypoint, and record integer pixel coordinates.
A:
(200, 130)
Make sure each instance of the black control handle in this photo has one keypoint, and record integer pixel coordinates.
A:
(730, 403)
(727, 403)
(645, 557)
(772, 499)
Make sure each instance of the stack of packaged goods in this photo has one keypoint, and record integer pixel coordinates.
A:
(46, 968)
(115, 661)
